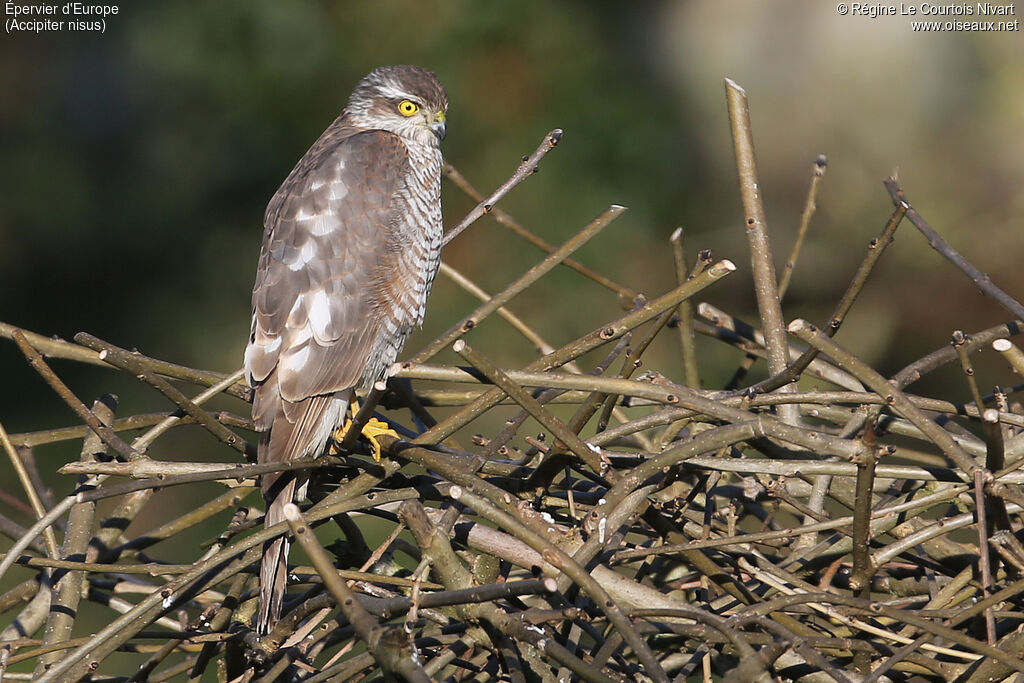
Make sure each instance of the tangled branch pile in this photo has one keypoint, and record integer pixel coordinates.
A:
(655, 531)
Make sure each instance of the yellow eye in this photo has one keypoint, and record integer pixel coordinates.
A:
(408, 108)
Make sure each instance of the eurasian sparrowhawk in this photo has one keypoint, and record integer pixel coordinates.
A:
(351, 245)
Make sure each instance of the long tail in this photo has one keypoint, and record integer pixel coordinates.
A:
(274, 568)
(290, 430)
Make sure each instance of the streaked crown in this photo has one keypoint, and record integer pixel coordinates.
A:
(407, 100)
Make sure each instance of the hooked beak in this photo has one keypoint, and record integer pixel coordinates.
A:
(437, 126)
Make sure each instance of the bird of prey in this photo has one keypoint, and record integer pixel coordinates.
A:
(351, 245)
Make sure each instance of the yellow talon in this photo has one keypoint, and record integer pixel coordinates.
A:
(375, 428)
(371, 430)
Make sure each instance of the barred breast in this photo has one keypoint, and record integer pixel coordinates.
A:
(417, 239)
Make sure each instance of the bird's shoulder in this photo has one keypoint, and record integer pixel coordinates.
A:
(344, 155)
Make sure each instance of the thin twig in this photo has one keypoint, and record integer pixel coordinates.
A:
(30, 490)
(863, 567)
(154, 478)
(876, 247)
(515, 321)
(958, 342)
(571, 440)
(579, 575)
(71, 586)
(935, 241)
(106, 434)
(521, 283)
(810, 206)
(126, 360)
(505, 220)
(52, 347)
(575, 349)
(765, 282)
(885, 389)
(687, 339)
(386, 644)
(984, 566)
(528, 167)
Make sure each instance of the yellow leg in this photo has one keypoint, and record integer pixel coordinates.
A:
(371, 430)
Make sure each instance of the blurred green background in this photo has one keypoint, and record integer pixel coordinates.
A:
(136, 164)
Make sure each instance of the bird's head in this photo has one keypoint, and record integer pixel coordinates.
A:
(406, 100)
